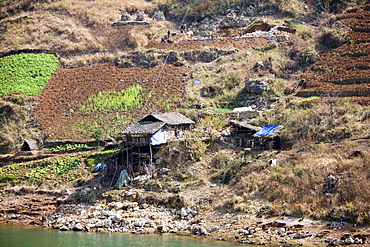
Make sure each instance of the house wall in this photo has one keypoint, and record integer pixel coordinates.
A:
(141, 140)
(243, 137)
(172, 132)
(178, 131)
(267, 143)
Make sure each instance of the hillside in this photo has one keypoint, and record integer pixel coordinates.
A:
(108, 64)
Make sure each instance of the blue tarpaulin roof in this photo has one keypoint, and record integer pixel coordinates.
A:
(266, 130)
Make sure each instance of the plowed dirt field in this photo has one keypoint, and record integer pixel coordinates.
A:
(341, 72)
(69, 88)
(344, 71)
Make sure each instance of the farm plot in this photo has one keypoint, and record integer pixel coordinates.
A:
(70, 106)
(343, 71)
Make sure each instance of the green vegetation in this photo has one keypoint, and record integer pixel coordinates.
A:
(92, 160)
(229, 168)
(198, 141)
(60, 170)
(338, 6)
(106, 102)
(70, 147)
(109, 112)
(26, 73)
(225, 110)
(190, 10)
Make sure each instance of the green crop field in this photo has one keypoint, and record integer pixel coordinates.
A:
(106, 102)
(26, 73)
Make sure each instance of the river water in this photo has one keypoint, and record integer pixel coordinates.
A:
(20, 236)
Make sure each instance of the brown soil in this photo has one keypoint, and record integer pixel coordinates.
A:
(27, 207)
(343, 71)
(69, 88)
(225, 43)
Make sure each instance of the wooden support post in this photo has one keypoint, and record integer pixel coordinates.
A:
(150, 160)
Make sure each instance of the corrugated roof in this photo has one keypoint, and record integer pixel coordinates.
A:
(269, 131)
(171, 118)
(144, 127)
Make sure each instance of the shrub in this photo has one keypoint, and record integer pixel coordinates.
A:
(7, 179)
(333, 38)
(230, 81)
(196, 146)
(92, 160)
(308, 57)
(212, 122)
(220, 160)
(327, 121)
(232, 167)
(338, 6)
(97, 134)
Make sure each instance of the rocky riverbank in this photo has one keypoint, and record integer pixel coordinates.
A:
(141, 218)
(132, 213)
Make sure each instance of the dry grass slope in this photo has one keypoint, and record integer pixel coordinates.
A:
(75, 28)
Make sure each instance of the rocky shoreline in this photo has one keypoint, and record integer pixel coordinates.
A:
(141, 218)
(132, 214)
(191, 209)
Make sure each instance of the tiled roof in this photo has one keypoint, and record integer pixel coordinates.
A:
(143, 128)
(171, 118)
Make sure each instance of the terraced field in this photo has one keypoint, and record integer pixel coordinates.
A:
(344, 71)
(57, 110)
(58, 106)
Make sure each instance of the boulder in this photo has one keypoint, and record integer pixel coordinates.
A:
(141, 17)
(164, 171)
(300, 235)
(125, 17)
(199, 230)
(331, 184)
(172, 57)
(282, 231)
(159, 16)
(256, 86)
(64, 228)
(77, 227)
(183, 212)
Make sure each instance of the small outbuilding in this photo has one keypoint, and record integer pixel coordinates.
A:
(243, 133)
(29, 145)
(268, 138)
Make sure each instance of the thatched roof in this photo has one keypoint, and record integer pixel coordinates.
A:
(170, 118)
(142, 128)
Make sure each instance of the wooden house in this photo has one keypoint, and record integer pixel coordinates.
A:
(157, 129)
(243, 133)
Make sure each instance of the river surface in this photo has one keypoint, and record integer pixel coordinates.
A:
(19, 236)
